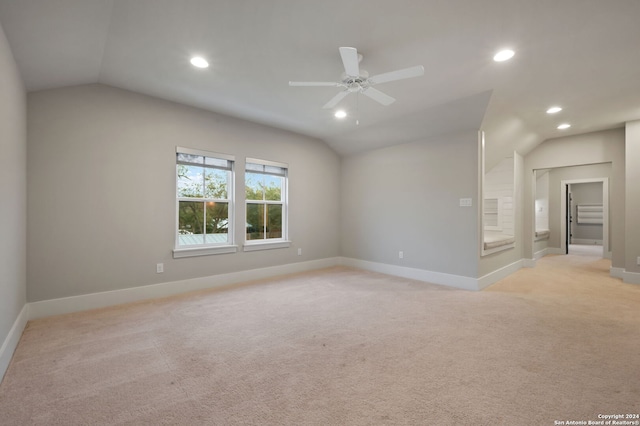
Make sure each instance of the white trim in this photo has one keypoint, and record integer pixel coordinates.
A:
(458, 281)
(486, 252)
(616, 272)
(284, 197)
(480, 189)
(182, 150)
(203, 251)
(11, 341)
(605, 211)
(539, 237)
(266, 245)
(529, 263)
(265, 163)
(626, 277)
(541, 253)
(631, 277)
(181, 251)
(84, 302)
(587, 242)
(495, 276)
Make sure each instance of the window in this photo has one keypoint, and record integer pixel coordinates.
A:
(266, 203)
(204, 183)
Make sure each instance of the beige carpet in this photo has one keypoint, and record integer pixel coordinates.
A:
(342, 347)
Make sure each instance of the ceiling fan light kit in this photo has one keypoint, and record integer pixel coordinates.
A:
(355, 80)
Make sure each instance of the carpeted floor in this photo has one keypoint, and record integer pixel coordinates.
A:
(342, 346)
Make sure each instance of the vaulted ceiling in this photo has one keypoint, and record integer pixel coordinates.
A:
(580, 54)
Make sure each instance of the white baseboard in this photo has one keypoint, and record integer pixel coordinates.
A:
(586, 242)
(631, 277)
(498, 274)
(85, 302)
(555, 250)
(529, 263)
(458, 281)
(11, 342)
(626, 277)
(542, 253)
(616, 272)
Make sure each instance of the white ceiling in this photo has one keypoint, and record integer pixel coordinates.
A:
(581, 54)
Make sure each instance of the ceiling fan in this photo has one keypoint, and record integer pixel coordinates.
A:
(355, 80)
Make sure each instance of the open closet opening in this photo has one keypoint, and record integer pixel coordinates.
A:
(584, 217)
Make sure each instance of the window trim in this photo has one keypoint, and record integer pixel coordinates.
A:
(266, 245)
(212, 248)
(203, 251)
(271, 243)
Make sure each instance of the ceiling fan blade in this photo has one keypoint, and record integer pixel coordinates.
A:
(350, 61)
(416, 71)
(378, 96)
(336, 99)
(313, 83)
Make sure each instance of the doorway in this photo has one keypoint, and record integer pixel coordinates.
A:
(585, 216)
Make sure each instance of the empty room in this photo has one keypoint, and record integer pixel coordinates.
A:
(320, 213)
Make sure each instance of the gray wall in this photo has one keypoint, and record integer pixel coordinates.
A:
(13, 186)
(590, 148)
(406, 198)
(585, 193)
(101, 190)
(632, 226)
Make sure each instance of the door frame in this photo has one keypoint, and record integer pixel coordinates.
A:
(606, 251)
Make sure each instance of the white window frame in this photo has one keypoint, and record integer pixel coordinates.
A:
(272, 243)
(211, 248)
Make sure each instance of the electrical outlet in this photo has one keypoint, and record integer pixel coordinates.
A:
(401, 255)
(638, 260)
(159, 268)
(299, 252)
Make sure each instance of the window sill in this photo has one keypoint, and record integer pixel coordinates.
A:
(203, 251)
(493, 250)
(266, 245)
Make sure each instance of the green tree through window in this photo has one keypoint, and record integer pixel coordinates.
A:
(265, 192)
(203, 189)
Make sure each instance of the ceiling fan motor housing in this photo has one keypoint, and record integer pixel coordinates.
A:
(356, 84)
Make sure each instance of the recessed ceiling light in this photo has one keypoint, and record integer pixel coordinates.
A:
(503, 55)
(199, 62)
(554, 109)
(564, 126)
(340, 114)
